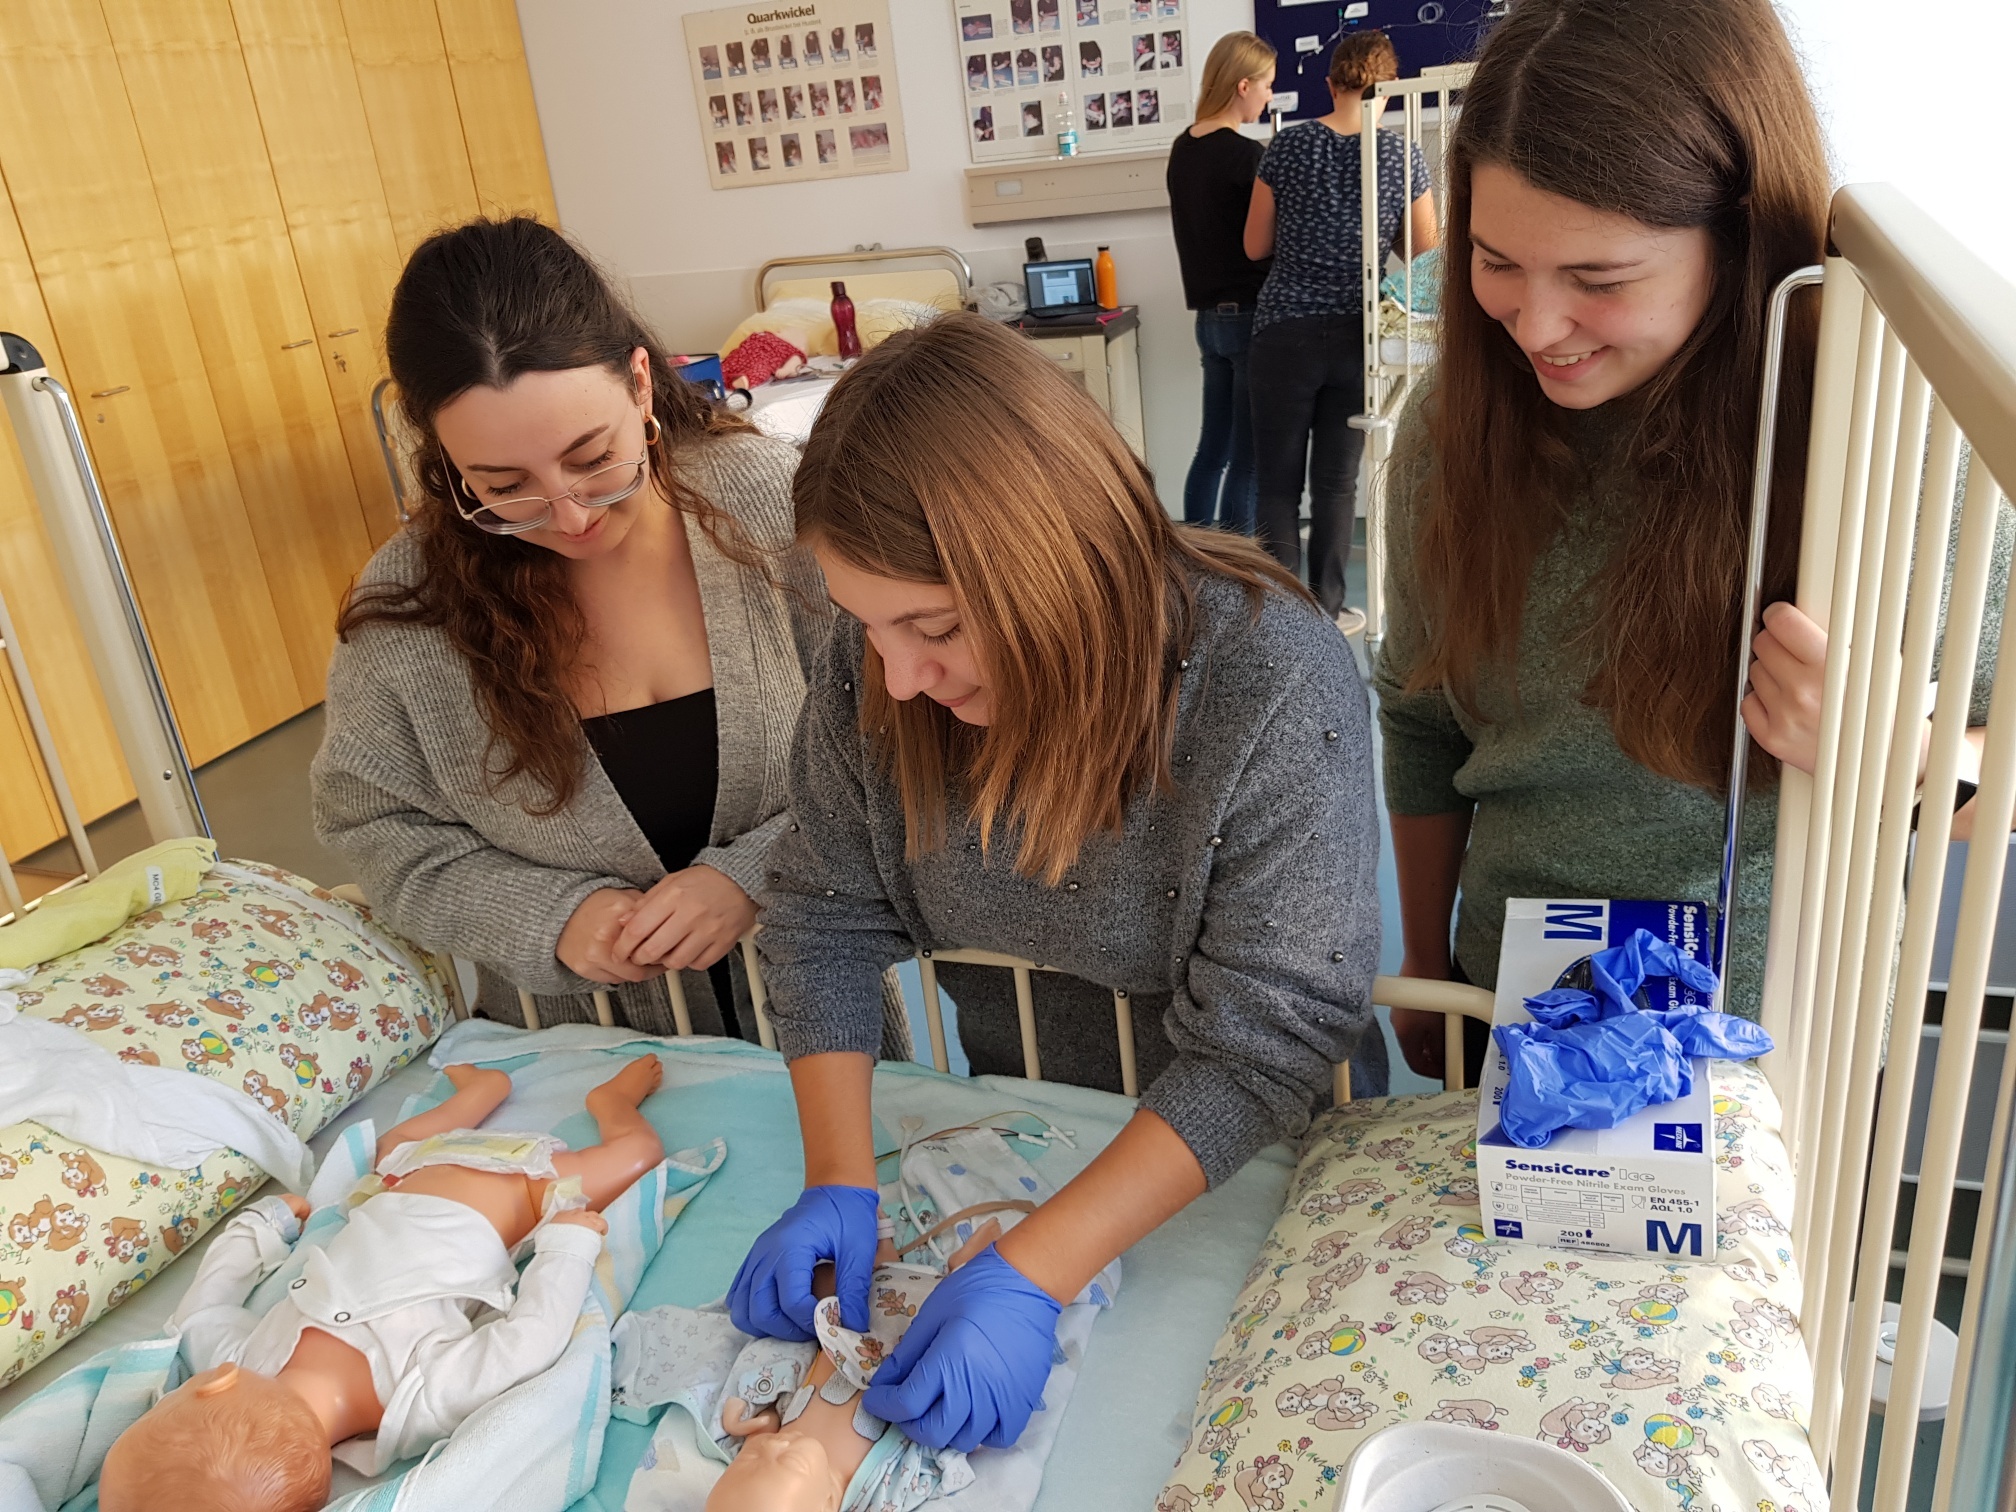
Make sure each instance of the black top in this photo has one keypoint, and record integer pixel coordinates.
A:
(663, 762)
(1210, 182)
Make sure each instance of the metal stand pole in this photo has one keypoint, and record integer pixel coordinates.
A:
(94, 575)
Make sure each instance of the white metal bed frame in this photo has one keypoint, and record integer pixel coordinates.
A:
(1388, 385)
(1917, 360)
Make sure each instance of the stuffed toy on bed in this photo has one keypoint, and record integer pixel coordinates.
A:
(777, 342)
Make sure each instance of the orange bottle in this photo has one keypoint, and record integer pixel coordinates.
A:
(1108, 278)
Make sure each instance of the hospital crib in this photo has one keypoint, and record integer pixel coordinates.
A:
(1915, 383)
(1392, 364)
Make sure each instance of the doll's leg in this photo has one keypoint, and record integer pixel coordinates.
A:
(629, 1147)
(479, 1092)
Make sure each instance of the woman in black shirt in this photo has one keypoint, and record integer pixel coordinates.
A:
(1210, 177)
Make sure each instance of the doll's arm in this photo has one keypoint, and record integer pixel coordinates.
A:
(211, 1317)
(463, 1375)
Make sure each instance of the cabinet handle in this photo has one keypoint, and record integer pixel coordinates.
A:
(351, 331)
(288, 346)
(108, 393)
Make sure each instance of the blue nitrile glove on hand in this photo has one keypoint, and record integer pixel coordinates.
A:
(972, 1367)
(772, 1294)
(1592, 1058)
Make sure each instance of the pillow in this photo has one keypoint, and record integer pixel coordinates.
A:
(878, 319)
(1377, 1298)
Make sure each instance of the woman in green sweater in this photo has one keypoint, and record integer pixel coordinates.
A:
(1570, 497)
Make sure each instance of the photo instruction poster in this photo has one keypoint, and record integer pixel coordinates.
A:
(1122, 68)
(796, 91)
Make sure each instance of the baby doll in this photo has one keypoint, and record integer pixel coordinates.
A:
(810, 1461)
(376, 1336)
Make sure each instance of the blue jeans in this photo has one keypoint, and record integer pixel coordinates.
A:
(1222, 486)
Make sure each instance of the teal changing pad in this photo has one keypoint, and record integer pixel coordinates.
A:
(1132, 1402)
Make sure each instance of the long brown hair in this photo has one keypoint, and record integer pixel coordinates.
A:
(1680, 113)
(956, 453)
(482, 304)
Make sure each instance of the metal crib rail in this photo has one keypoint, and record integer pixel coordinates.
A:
(1916, 369)
(114, 630)
(1387, 385)
(961, 269)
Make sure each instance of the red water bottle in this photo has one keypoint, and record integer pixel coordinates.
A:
(843, 321)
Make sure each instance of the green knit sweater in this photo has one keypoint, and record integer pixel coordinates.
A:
(1560, 810)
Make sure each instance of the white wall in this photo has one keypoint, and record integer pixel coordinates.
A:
(616, 105)
(1920, 99)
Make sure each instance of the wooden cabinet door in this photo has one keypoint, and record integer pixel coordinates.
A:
(298, 56)
(49, 639)
(409, 100)
(185, 78)
(500, 123)
(80, 187)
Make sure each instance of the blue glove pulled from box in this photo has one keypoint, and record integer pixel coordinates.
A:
(1593, 1057)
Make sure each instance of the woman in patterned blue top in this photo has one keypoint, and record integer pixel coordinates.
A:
(1307, 362)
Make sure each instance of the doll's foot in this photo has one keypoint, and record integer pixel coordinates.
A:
(630, 1086)
(479, 1078)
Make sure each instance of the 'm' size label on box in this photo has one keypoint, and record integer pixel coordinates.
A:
(1646, 1187)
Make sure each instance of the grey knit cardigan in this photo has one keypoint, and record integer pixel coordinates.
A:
(458, 865)
(1238, 910)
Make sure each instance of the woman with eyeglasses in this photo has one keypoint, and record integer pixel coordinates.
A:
(563, 697)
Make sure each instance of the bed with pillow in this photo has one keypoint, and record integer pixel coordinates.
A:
(787, 352)
(259, 980)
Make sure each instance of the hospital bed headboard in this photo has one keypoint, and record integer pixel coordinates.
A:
(868, 278)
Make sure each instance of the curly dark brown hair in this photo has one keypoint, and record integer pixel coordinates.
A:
(482, 304)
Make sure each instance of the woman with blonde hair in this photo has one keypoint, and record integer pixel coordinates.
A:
(1210, 180)
(1051, 723)
(1307, 363)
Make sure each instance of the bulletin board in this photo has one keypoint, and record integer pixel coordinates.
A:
(1120, 67)
(1425, 33)
(796, 91)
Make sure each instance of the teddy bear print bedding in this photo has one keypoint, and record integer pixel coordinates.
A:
(260, 980)
(1377, 1299)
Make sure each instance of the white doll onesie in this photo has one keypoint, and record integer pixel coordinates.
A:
(402, 1283)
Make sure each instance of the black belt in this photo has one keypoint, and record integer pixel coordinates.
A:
(1230, 307)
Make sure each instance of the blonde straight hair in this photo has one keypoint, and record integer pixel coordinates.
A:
(956, 453)
(1235, 57)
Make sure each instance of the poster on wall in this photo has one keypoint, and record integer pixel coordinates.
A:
(1119, 69)
(796, 91)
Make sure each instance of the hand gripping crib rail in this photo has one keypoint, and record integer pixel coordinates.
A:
(1389, 384)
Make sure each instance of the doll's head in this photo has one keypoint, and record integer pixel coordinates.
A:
(778, 1472)
(228, 1440)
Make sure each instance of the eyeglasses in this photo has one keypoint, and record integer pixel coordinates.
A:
(601, 488)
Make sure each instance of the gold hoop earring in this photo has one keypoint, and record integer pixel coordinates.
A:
(652, 430)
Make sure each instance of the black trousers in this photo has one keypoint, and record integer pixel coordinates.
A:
(1307, 379)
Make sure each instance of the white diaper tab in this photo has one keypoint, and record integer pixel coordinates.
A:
(479, 1150)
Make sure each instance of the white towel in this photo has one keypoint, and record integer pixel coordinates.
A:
(157, 1115)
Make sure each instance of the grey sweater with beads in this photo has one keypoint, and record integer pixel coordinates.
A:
(1239, 911)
